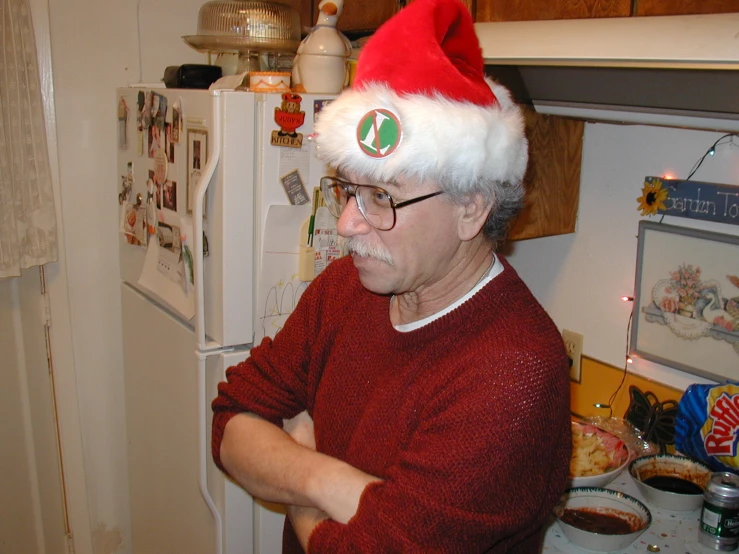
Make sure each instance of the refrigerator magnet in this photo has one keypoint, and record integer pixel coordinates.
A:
(197, 157)
(318, 105)
(151, 209)
(160, 166)
(176, 122)
(168, 144)
(122, 124)
(169, 195)
(289, 117)
(294, 188)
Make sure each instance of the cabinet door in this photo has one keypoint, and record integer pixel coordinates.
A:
(529, 10)
(305, 9)
(685, 7)
(553, 177)
(359, 17)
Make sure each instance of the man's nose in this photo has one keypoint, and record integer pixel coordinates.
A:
(352, 222)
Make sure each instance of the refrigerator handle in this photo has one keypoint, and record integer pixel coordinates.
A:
(197, 216)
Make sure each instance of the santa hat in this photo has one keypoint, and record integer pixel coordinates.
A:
(421, 106)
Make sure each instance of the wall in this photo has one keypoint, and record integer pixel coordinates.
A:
(579, 278)
(94, 48)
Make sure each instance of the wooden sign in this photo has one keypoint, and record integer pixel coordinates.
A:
(697, 200)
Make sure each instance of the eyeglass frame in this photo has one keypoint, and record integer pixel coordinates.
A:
(360, 204)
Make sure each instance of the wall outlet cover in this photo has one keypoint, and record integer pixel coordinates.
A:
(573, 345)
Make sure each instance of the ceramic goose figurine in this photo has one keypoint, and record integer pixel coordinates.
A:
(321, 61)
(714, 310)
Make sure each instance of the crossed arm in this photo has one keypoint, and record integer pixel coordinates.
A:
(283, 466)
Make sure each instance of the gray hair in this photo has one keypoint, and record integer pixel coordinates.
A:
(507, 200)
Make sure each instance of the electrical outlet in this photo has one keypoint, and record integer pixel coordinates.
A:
(573, 346)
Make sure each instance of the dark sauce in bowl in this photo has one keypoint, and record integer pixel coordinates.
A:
(596, 522)
(673, 484)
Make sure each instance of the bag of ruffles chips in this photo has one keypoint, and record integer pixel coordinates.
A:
(707, 425)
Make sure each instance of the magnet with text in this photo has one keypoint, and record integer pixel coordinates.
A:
(289, 117)
(294, 188)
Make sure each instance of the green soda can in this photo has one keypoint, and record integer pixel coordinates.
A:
(720, 513)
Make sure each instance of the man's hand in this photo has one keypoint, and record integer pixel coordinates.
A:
(304, 520)
(300, 428)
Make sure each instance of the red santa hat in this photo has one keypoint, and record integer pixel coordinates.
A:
(421, 106)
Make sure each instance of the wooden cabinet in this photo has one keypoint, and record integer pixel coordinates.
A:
(529, 10)
(358, 17)
(553, 177)
(362, 16)
(684, 7)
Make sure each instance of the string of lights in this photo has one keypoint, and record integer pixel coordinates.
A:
(710, 152)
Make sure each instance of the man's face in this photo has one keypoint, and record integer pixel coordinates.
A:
(416, 252)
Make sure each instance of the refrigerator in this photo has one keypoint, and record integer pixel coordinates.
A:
(215, 192)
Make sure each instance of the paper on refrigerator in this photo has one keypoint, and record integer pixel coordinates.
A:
(279, 288)
(167, 270)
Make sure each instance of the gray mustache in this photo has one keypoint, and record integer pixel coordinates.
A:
(366, 250)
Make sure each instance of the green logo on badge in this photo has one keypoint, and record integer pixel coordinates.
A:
(379, 133)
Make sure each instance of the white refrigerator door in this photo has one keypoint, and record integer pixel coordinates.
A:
(229, 224)
(168, 419)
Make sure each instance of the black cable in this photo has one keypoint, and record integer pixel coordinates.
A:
(626, 365)
(711, 150)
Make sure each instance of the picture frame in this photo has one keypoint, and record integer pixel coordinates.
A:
(197, 158)
(686, 300)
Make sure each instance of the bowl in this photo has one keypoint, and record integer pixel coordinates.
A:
(671, 482)
(597, 456)
(601, 519)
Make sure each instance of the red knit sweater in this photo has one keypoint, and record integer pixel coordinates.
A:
(466, 419)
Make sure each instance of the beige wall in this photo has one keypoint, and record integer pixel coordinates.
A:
(94, 48)
(18, 518)
(31, 510)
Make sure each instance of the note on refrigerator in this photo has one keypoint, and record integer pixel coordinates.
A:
(165, 272)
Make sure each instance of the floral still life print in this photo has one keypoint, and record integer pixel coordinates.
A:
(693, 307)
(686, 301)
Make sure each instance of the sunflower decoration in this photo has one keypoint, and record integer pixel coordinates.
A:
(653, 197)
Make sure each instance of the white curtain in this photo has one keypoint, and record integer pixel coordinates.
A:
(27, 216)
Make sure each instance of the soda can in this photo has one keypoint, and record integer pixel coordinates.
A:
(720, 514)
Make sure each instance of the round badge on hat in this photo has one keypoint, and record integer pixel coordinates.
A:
(379, 133)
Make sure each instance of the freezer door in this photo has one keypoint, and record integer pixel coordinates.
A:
(168, 417)
(161, 173)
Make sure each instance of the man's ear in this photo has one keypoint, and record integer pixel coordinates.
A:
(472, 216)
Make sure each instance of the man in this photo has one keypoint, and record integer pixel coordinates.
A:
(426, 390)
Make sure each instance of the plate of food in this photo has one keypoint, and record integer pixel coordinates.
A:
(597, 456)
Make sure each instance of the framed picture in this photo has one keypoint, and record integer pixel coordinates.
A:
(197, 157)
(686, 300)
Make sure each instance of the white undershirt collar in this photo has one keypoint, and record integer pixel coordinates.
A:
(493, 271)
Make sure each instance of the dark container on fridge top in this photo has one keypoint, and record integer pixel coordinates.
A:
(720, 513)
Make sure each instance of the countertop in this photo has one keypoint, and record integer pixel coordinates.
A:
(671, 532)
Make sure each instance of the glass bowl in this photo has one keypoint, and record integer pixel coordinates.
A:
(242, 25)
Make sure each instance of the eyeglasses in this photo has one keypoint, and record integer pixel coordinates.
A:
(374, 203)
